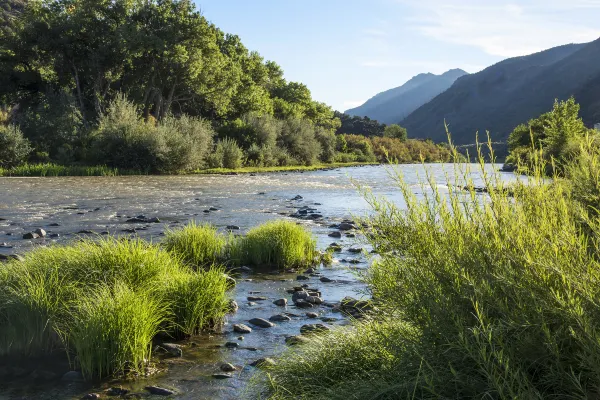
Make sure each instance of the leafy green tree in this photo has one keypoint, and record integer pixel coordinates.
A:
(14, 148)
(395, 131)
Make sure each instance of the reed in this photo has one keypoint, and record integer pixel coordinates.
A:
(198, 245)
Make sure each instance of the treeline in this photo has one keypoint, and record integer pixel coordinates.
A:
(153, 85)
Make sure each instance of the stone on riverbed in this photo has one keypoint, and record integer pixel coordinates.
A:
(280, 318)
(302, 278)
(335, 235)
(314, 329)
(312, 315)
(256, 298)
(241, 328)
(227, 367)
(301, 294)
(232, 307)
(222, 376)
(233, 228)
(40, 232)
(293, 340)
(355, 249)
(171, 348)
(301, 303)
(263, 362)
(159, 391)
(314, 300)
(30, 235)
(263, 323)
(346, 226)
(72, 376)
(325, 279)
(280, 302)
(91, 396)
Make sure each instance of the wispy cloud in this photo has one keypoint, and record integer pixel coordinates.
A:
(505, 28)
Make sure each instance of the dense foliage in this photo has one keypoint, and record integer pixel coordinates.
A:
(560, 133)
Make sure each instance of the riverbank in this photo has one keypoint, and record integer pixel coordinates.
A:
(54, 170)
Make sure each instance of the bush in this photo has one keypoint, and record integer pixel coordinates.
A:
(396, 132)
(198, 245)
(14, 148)
(124, 140)
(298, 138)
(489, 298)
(328, 142)
(281, 244)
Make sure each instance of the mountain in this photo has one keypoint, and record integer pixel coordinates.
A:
(391, 106)
(511, 92)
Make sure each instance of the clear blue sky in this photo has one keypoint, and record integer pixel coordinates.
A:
(346, 51)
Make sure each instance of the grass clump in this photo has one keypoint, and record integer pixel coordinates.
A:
(491, 297)
(113, 329)
(49, 169)
(283, 244)
(102, 302)
(198, 245)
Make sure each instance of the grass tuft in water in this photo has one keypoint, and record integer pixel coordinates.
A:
(113, 328)
(41, 170)
(283, 244)
(198, 245)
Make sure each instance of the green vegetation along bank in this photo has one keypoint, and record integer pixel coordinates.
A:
(154, 87)
(474, 297)
(103, 303)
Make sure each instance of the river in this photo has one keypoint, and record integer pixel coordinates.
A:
(71, 207)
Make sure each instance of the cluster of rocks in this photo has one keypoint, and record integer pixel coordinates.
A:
(117, 391)
(142, 219)
(39, 233)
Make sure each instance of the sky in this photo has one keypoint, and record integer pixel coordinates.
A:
(346, 51)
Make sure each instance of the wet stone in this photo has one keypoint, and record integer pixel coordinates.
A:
(256, 298)
(222, 376)
(72, 376)
(280, 302)
(232, 307)
(325, 279)
(263, 362)
(335, 235)
(302, 278)
(280, 318)
(40, 232)
(227, 367)
(91, 396)
(233, 228)
(117, 391)
(314, 329)
(30, 235)
(172, 349)
(263, 323)
(312, 315)
(241, 328)
(159, 391)
(232, 345)
(300, 303)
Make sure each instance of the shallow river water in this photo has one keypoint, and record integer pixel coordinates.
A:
(67, 206)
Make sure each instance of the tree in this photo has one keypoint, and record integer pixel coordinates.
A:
(395, 131)
(14, 148)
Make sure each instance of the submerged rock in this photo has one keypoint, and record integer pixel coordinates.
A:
(117, 391)
(72, 376)
(256, 298)
(171, 348)
(355, 250)
(263, 362)
(263, 323)
(91, 396)
(159, 391)
(293, 340)
(335, 235)
(302, 278)
(232, 345)
(325, 279)
(222, 376)
(312, 315)
(314, 329)
(233, 228)
(232, 307)
(30, 235)
(280, 318)
(346, 226)
(301, 303)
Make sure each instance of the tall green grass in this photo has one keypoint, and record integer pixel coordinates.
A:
(41, 170)
(198, 245)
(103, 301)
(112, 330)
(283, 244)
(490, 298)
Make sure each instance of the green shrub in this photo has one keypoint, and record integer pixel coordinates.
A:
(283, 244)
(489, 298)
(198, 245)
(232, 153)
(298, 138)
(14, 148)
(112, 330)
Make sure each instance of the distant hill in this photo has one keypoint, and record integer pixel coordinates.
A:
(511, 92)
(393, 105)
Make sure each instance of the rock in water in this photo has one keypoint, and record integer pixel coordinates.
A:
(40, 232)
(31, 235)
(263, 323)
(173, 349)
(222, 376)
(232, 307)
(159, 391)
(72, 376)
(256, 298)
(280, 302)
(227, 367)
(314, 329)
(263, 362)
(280, 318)
(241, 328)
(233, 228)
